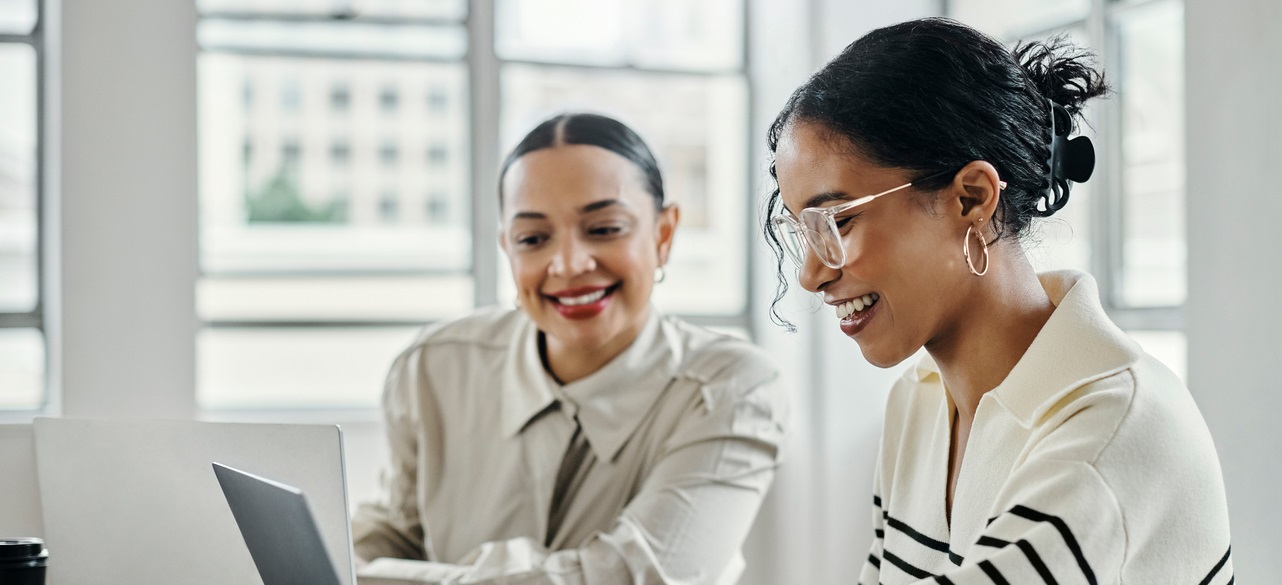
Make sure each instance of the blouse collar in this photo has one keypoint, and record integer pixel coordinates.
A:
(610, 403)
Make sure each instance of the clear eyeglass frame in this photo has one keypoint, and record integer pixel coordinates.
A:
(816, 228)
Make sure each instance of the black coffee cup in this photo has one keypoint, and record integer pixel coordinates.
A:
(23, 561)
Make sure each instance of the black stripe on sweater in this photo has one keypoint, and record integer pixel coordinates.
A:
(912, 533)
(1026, 547)
(1220, 565)
(993, 573)
(922, 539)
(1059, 524)
(876, 562)
(905, 566)
(1036, 561)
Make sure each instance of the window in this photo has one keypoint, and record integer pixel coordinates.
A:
(340, 153)
(389, 207)
(438, 208)
(340, 98)
(22, 337)
(437, 100)
(314, 275)
(290, 97)
(1126, 226)
(388, 100)
(437, 155)
(389, 153)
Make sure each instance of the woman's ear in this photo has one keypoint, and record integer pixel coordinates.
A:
(503, 239)
(978, 191)
(665, 228)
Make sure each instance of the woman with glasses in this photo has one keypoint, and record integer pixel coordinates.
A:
(1034, 442)
(584, 437)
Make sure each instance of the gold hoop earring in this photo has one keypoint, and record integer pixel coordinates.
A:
(660, 274)
(966, 251)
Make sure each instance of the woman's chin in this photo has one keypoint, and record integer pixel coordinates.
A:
(880, 357)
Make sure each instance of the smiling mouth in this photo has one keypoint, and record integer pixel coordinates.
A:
(575, 298)
(856, 305)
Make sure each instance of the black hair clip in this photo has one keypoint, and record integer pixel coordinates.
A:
(1071, 161)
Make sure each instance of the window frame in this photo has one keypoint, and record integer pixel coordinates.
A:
(483, 70)
(35, 318)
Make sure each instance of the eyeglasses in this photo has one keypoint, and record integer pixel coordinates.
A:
(816, 227)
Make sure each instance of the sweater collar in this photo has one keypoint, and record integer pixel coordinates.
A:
(1078, 345)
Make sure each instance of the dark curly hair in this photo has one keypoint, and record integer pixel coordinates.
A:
(933, 95)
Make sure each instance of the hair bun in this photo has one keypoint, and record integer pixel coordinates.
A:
(1061, 72)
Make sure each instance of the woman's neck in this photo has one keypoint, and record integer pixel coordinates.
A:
(1002, 317)
(567, 363)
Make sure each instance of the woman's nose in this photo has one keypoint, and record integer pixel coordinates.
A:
(571, 258)
(814, 274)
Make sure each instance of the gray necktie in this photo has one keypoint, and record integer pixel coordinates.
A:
(574, 467)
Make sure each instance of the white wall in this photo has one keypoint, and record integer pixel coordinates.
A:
(1234, 323)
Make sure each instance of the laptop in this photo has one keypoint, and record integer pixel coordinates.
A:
(133, 502)
(278, 528)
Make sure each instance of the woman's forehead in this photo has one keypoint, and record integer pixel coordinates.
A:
(571, 177)
(809, 165)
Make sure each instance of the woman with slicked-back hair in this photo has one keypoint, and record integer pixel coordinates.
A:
(584, 437)
(1034, 442)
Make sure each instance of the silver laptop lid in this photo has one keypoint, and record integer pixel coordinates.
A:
(278, 528)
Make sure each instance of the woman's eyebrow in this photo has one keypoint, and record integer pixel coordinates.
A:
(821, 199)
(825, 197)
(589, 208)
(598, 205)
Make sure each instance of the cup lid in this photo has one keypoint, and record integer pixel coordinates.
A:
(21, 548)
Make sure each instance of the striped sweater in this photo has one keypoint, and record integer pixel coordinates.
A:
(1090, 463)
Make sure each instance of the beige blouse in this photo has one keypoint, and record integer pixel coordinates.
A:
(684, 429)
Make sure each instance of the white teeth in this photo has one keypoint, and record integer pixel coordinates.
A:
(856, 305)
(581, 300)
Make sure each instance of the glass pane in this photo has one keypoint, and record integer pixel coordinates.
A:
(1169, 347)
(17, 16)
(386, 298)
(697, 127)
(18, 278)
(339, 39)
(1014, 19)
(1151, 92)
(426, 9)
(22, 369)
(295, 367)
(672, 34)
(316, 165)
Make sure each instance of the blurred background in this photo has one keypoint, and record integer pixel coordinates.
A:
(244, 209)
